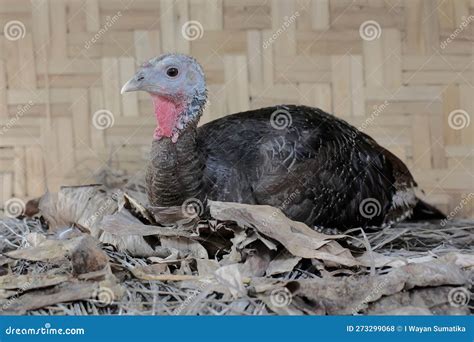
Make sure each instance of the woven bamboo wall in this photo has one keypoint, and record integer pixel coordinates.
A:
(403, 71)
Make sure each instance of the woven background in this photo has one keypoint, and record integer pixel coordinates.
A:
(403, 71)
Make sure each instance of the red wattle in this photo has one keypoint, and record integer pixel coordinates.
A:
(166, 113)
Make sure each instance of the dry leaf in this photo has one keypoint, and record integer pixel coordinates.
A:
(34, 239)
(206, 267)
(174, 216)
(230, 277)
(82, 205)
(62, 293)
(185, 247)
(26, 282)
(136, 208)
(283, 263)
(460, 259)
(48, 250)
(127, 233)
(150, 272)
(430, 300)
(349, 295)
(296, 237)
(256, 261)
(123, 223)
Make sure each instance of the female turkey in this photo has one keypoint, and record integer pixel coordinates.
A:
(316, 168)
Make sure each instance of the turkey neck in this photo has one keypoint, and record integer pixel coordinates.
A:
(175, 170)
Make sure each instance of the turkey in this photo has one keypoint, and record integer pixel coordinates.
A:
(316, 168)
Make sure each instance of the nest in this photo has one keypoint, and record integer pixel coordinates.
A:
(97, 250)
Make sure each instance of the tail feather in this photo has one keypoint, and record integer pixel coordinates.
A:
(425, 211)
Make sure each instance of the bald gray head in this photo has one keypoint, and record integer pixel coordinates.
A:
(173, 75)
(177, 85)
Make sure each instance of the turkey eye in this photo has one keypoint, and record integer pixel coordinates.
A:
(172, 72)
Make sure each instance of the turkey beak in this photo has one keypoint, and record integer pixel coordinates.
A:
(136, 83)
(133, 84)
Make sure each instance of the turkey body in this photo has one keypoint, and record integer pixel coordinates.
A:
(318, 169)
